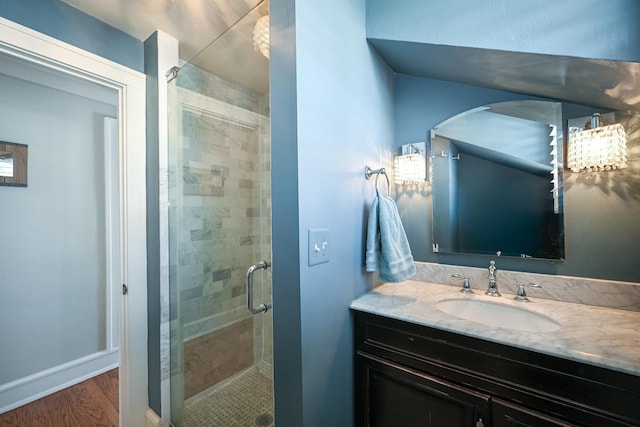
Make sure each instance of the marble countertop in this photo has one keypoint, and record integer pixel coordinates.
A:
(598, 336)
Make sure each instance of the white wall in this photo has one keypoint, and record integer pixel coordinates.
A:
(52, 233)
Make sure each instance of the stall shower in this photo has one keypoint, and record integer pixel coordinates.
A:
(219, 226)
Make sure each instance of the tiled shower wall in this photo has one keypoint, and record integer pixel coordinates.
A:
(223, 220)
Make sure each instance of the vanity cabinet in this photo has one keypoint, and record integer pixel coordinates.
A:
(413, 375)
(397, 396)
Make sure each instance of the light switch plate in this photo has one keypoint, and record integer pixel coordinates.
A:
(318, 246)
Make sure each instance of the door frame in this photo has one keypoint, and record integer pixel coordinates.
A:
(40, 49)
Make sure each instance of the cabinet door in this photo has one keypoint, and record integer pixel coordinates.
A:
(506, 414)
(394, 396)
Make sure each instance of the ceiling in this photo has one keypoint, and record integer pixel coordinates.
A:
(600, 83)
(198, 23)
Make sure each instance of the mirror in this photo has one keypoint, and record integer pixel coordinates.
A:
(497, 181)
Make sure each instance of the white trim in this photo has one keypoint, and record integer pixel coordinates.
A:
(22, 42)
(152, 419)
(199, 104)
(168, 56)
(16, 68)
(112, 224)
(33, 387)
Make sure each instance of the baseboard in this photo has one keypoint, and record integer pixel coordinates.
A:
(152, 419)
(33, 387)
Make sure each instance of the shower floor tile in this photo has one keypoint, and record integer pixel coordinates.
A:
(246, 401)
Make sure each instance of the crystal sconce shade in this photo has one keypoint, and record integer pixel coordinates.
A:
(411, 167)
(600, 148)
(261, 36)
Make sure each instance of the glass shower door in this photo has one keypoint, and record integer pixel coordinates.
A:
(219, 227)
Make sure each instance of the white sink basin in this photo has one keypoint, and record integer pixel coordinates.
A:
(498, 315)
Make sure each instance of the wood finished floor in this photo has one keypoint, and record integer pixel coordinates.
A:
(91, 403)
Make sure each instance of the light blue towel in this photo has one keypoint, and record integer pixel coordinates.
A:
(387, 247)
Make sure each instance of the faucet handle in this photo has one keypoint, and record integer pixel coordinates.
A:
(466, 285)
(521, 295)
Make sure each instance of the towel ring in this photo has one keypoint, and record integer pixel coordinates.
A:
(383, 172)
(377, 172)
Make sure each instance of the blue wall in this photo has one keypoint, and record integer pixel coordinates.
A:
(287, 338)
(63, 22)
(153, 225)
(581, 28)
(341, 109)
(601, 212)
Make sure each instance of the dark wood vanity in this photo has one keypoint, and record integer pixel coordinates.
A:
(414, 375)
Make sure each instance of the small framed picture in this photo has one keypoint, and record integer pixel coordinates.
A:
(13, 164)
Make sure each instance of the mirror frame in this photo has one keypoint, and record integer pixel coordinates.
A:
(19, 155)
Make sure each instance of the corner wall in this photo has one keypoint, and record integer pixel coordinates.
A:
(342, 110)
(287, 339)
(161, 53)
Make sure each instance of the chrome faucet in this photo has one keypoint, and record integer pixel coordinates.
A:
(492, 291)
(521, 295)
(466, 285)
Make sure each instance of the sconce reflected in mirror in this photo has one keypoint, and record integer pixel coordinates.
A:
(411, 166)
(597, 147)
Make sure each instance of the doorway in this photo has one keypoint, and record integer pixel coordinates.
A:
(59, 310)
(73, 234)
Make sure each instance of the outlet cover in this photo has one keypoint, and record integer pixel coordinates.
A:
(318, 246)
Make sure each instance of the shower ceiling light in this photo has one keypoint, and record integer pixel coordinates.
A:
(599, 148)
(261, 36)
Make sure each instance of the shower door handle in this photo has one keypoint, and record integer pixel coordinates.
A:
(262, 308)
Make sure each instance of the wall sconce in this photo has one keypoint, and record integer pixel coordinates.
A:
(597, 147)
(411, 166)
